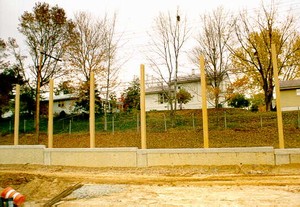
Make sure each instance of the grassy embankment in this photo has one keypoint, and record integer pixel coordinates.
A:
(227, 128)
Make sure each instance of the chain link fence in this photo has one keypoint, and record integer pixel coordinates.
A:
(156, 122)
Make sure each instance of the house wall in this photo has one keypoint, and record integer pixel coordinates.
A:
(194, 88)
(152, 103)
(63, 105)
(290, 99)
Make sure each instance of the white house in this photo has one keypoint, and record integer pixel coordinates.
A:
(156, 98)
(61, 102)
(290, 95)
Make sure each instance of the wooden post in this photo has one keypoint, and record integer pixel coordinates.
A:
(92, 111)
(17, 115)
(204, 103)
(143, 107)
(50, 116)
(278, 104)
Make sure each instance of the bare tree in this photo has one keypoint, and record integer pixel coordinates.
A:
(111, 67)
(168, 37)
(212, 43)
(87, 51)
(14, 50)
(94, 49)
(255, 35)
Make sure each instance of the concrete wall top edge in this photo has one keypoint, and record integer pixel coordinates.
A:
(22, 146)
(120, 149)
(208, 150)
(287, 151)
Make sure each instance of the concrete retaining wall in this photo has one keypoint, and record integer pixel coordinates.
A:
(22, 154)
(92, 157)
(214, 156)
(287, 156)
(134, 157)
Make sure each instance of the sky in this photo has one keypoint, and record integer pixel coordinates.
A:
(134, 19)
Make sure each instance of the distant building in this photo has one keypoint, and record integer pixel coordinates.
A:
(61, 102)
(66, 103)
(290, 95)
(157, 100)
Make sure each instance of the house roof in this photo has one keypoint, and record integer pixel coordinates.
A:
(188, 78)
(180, 79)
(290, 84)
(155, 89)
(59, 97)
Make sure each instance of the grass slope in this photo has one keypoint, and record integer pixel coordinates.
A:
(227, 128)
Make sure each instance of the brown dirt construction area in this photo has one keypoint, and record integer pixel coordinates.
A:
(245, 185)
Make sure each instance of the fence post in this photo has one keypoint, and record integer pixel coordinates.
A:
(165, 122)
(261, 121)
(105, 121)
(225, 119)
(137, 123)
(113, 124)
(10, 126)
(70, 126)
(24, 125)
(193, 121)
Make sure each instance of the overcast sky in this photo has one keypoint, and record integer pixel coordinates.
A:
(135, 18)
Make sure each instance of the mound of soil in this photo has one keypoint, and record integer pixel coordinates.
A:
(169, 186)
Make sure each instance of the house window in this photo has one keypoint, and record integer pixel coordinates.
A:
(298, 92)
(61, 104)
(162, 98)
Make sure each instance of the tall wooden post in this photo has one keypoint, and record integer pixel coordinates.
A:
(143, 107)
(50, 116)
(92, 111)
(278, 103)
(204, 102)
(17, 115)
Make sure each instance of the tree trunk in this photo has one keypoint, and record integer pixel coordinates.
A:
(268, 99)
(216, 101)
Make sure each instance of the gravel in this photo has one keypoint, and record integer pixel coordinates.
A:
(93, 191)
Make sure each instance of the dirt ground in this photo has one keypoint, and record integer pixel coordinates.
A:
(252, 185)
